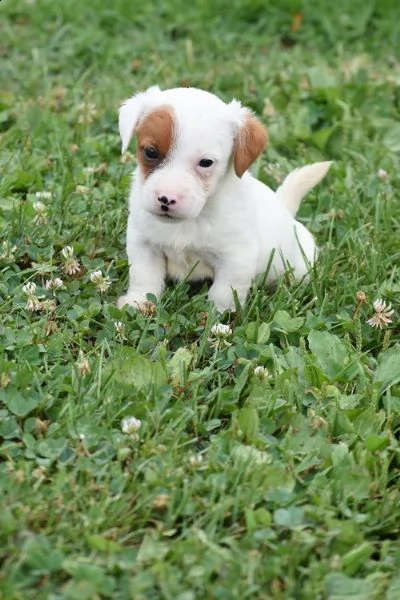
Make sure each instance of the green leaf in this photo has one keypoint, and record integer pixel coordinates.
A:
(39, 554)
(321, 137)
(341, 424)
(94, 309)
(256, 332)
(89, 581)
(80, 590)
(151, 550)
(393, 593)
(314, 375)
(212, 424)
(376, 442)
(356, 557)
(132, 370)
(286, 323)
(242, 381)
(257, 518)
(341, 587)
(330, 353)
(84, 572)
(52, 447)
(263, 333)
(75, 313)
(23, 377)
(289, 517)
(388, 371)
(263, 517)
(9, 428)
(178, 365)
(250, 455)
(392, 138)
(20, 403)
(248, 421)
(101, 544)
(323, 79)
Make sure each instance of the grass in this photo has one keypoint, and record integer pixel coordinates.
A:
(279, 483)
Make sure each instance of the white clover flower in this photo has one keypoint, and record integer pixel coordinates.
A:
(88, 170)
(120, 330)
(7, 251)
(219, 334)
(41, 213)
(196, 460)
(29, 288)
(130, 425)
(161, 502)
(88, 112)
(71, 265)
(83, 364)
(361, 297)
(220, 330)
(48, 305)
(126, 158)
(104, 285)
(45, 195)
(67, 251)
(82, 189)
(54, 284)
(382, 174)
(33, 303)
(249, 454)
(119, 326)
(102, 282)
(96, 276)
(383, 314)
(261, 372)
(50, 327)
(39, 207)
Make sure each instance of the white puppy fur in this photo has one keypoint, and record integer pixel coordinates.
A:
(195, 211)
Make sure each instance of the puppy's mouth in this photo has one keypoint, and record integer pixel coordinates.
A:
(167, 216)
(171, 218)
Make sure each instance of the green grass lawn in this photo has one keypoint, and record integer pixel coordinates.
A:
(262, 464)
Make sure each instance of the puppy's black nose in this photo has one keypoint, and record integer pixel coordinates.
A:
(166, 201)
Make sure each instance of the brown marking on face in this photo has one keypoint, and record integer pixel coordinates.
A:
(250, 142)
(155, 135)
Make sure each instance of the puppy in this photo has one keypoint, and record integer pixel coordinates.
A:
(195, 211)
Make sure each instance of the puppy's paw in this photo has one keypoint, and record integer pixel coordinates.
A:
(222, 299)
(148, 309)
(223, 296)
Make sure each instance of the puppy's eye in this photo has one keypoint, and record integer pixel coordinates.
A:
(151, 154)
(205, 163)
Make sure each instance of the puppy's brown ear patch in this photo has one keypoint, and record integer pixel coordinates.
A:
(156, 132)
(250, 141)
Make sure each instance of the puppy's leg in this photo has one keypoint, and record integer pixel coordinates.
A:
(228, 277)
(146, 276)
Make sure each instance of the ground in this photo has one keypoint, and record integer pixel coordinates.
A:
(260, 460)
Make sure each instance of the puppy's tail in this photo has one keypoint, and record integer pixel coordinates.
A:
(299, 182)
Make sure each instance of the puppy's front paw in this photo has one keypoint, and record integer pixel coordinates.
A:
(223, 295)
(138, 303)
(222, 299)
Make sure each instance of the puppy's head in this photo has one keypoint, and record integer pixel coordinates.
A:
(188, 142)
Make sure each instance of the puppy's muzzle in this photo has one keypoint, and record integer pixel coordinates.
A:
(166, 203)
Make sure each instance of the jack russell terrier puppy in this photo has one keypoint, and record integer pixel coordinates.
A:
(195, 211)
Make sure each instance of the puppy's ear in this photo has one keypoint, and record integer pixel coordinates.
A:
(251, 138)
(131, 111)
